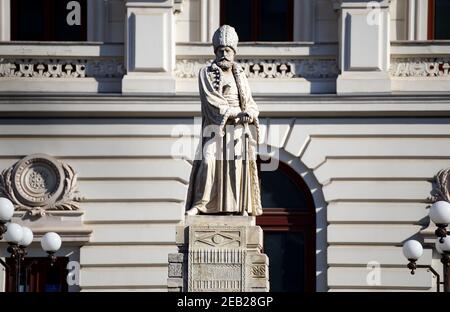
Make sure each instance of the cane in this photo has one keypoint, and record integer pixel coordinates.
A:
(244, 169)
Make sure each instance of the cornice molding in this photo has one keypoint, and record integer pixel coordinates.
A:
(111, 106)
(361, 4)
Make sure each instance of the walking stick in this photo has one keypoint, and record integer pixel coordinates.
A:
(244, 194)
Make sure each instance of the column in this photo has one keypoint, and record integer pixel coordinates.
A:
(209, 19)
(411, 19)
(96, 11)
(213, 17)
(421, 20)
(149, 47)
(364, 46)
(5, 20)
(304, 20)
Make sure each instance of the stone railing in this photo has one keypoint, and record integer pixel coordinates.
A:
(277, 66)
(67, 67)
(60, 68)
(420, 66)
(269, 69)
(265, 61)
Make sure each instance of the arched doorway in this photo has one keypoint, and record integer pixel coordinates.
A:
(289, 225)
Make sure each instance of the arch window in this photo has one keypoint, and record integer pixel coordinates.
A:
(289, 226)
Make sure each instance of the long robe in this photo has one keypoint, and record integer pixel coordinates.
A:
(222, 183)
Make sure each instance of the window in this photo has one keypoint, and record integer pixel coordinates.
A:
(37, 275)
(289, 226)
(259, 20)
(438, 26)
(47, 20)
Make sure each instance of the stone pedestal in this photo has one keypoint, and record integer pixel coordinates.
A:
(219, 254)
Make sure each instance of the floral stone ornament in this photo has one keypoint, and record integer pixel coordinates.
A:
(39, 183)
(440, 187)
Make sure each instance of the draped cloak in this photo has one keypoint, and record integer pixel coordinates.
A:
(219, 181)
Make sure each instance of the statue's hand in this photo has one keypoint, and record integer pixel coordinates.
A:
(244, 117)
(234, 113)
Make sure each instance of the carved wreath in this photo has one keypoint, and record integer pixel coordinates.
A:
(39, 183)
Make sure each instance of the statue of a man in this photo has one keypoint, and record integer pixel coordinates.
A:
(224, 177)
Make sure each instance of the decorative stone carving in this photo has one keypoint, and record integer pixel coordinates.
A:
(189, 68)
(441, 190)
(258, 271)
(219, 254)
(40, 182)
(216, 270)
(216, 258)
(267, 69)
(61, 68)
(420, 67)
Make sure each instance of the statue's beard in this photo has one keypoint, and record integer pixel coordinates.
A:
(224, 64)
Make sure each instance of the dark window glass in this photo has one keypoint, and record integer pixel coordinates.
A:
(278, 190)
(289, 226)
(259, 20)
(286, 252)
(442, 25)
(37, 275)
(46, 20)
(28, 19)
(238, 13)
(274, 21)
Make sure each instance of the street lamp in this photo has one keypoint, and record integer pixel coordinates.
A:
(6, 213)
(413, 250)
(440, 215)
(20, 237)
(51, 242)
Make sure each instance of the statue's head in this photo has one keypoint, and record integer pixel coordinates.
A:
(225, 42)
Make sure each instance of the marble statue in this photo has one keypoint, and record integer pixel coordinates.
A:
(224, 177)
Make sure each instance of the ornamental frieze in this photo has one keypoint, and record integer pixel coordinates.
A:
(420, 67)
(61, 68)
(267, 69)
(38, 183)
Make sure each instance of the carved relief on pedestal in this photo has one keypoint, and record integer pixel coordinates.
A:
(258, 271)
(225, 238)
(216, 270)
(216, 259)
(40, 182)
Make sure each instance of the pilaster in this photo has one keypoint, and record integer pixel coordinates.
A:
(5, 20)
(149, 47)
(364, 46)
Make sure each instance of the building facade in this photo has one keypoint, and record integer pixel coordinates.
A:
(355, 108)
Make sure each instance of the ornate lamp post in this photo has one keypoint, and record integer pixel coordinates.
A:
(20, 237)
(413, 250)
